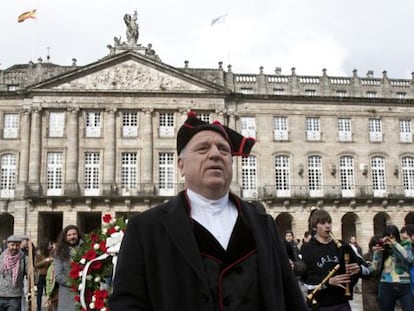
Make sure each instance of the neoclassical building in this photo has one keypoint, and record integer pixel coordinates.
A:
(77, 142)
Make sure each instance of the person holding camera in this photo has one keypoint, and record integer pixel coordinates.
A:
(392, 261)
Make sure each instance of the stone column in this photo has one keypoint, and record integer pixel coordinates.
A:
(35, 151)
(24, 153)
(235, 182)
(109, 152)
(72, 133)
(147, 160)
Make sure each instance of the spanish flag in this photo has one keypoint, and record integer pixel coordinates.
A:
(30, 14)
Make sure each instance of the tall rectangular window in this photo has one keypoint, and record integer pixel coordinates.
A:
(93, 124)
(315, 176)
(344, 130)
(407, 165)
(91, 174)
(166, 173)
(249, 177)
(8, 175)
(54, 173)
(282, 176)
(341, 93)
(204, 117)
(347, 175)
(372, 94)
(166, 124)
(406, 134)
(129, 173)
(56, 124)
(375, 130)
(280, 128)
(310, 92)
(279, 92)
(129, 124)
(248, 126)
(11, 125)
(246, 90)
(313, 129)
(378, 176)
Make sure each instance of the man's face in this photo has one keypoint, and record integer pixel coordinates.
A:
(72, 237)
(206, 164)
(323, 230)
(289, 237)
(24, 244)
(404, 236)
(13, 247)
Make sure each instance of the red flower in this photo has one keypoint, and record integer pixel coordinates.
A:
(94, 237)
(90, 254)
(77, 298)
(96, 265)
(102, 246)
(107, 218)
(101, 294)
(99, 304)
(75, 270)
(111, 230)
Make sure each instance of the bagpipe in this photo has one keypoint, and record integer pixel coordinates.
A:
(346, 256)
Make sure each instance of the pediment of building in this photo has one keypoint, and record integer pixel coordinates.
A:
(129, 73)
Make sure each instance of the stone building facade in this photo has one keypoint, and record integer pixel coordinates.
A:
(80, 141)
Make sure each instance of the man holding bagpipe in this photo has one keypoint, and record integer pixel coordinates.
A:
(329, 269)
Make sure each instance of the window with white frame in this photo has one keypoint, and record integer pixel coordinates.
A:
(166, 173)
(310, 92)
(280, 128)
(282, 176)
(406, 134)
(93, 124)
(54, 175)
(378, 176)
(8, 175)
(249, 177)
(347, 176)
(375, 130)
(313, 129)
(246, 90)
(56, 124)
(279, 92)
(248, 126)
(344, 130)
(407, 165)
(129, 124)
(129, 173)
(166, 124)
(341, 93)
(204, 117)
(91, 174)
(401, 95)
(315, 176)
(11, 125)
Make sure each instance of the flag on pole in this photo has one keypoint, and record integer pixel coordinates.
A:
(219, 19)
(29, 14)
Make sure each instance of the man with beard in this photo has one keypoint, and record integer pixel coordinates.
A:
(13, 268)
(68, 241)
(205, 249)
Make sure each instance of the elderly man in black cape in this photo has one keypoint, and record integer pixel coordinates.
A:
(205, 249)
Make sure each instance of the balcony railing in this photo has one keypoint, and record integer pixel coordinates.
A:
(264, 192)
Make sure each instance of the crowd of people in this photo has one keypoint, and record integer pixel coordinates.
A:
(50, 268)
(206, 249)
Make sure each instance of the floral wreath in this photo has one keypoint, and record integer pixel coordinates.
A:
(93, 265)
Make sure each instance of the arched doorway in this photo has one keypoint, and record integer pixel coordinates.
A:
(283, 223)
(6, 228)
(409, 219)
(349, 226)
(380, 222)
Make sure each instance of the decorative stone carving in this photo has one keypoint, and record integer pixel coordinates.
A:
(129, 75)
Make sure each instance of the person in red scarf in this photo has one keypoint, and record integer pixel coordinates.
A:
(13, 267)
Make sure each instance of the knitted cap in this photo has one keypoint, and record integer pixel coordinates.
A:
(240, 145)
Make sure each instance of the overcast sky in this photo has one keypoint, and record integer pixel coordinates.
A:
(339, 35)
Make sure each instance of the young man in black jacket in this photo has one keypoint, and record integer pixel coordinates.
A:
(320, 256)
